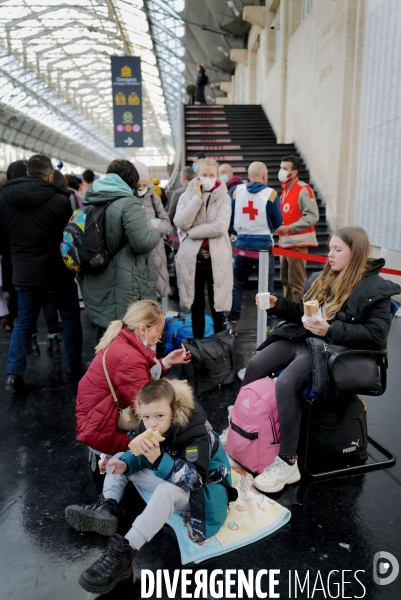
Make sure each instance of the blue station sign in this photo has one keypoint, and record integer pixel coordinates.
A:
(127, 101)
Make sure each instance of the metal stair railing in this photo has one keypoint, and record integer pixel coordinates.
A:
(180, 150)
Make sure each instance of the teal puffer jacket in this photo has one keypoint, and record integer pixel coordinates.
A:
(131, 274)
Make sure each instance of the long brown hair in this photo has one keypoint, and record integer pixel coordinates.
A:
(337, 286)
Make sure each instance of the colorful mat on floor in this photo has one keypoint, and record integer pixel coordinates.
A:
(251, 517)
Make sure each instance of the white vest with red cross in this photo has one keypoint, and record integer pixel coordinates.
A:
(250, 211)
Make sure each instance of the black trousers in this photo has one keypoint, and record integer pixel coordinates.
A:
(204, 276)
(294, 355)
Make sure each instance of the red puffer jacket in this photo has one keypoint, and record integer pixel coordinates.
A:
(128, 365)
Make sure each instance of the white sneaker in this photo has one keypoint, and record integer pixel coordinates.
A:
(224, 434)
(223, 438)
(276, 476)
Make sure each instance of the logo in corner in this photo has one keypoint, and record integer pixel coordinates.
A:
(385, 568)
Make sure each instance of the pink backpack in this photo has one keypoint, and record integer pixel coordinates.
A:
(254, 432)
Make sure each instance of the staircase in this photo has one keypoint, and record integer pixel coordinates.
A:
(240, 135)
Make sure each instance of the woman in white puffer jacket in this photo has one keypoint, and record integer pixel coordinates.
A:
(205, 257)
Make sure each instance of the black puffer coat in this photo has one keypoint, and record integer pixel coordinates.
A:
(34, 213)
(363, 322)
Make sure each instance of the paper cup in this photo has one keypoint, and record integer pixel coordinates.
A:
(264, 300)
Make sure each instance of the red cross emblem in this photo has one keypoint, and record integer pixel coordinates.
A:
(249, 210)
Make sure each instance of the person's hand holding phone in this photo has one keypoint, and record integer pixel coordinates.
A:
(198, 187)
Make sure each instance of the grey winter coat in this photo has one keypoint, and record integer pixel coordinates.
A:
(172, 207)
(131, 274)
(205, 218)
(153, 207)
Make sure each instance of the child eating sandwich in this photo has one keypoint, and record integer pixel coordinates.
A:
(182, 463)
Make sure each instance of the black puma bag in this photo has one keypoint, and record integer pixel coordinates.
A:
(338, 431)
(212, 362)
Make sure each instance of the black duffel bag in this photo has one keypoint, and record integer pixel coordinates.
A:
(212, 363)
(338, 432)
(347, 369)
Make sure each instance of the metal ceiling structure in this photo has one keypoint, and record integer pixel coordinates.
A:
(213, 28)
(55, 80)
(55, 83)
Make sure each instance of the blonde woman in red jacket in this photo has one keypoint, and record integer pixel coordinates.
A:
(130, 363)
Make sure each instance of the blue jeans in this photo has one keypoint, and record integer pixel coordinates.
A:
(30, 300)
(51, 318)
(242, 269)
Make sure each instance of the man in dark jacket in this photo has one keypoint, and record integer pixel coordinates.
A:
(187, 174)
(34, 212)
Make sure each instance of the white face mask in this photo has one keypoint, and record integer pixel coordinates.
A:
(208, 183)
(141, 193)
(224, 178)
(283, 175)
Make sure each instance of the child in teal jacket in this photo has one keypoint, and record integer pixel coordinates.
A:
(188, 471)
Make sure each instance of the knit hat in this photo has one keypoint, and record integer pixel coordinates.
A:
(142, 169)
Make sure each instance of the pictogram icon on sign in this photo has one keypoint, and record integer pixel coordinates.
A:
(126, 71)
(129, 141)
(249, 210)
(120, 99)
(134, 99)
(128, 117)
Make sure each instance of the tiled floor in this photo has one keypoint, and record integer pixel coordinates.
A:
(43, 470)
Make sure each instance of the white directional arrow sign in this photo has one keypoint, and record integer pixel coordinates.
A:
(129, 141)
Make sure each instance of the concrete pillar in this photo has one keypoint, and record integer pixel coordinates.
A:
(283, 69)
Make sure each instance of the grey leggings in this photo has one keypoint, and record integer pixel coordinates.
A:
(296, 376)
(166, 498)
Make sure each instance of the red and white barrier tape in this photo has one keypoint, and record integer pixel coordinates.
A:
(291, 254)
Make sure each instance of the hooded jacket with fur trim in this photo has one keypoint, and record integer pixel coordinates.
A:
(193, 459)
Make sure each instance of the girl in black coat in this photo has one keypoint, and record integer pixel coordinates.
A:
(355, 303)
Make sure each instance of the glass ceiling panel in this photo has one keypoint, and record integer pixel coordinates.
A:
(54, 59)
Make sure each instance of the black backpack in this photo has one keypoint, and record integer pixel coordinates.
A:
(212, 362)
(83, 248)
(338, 431)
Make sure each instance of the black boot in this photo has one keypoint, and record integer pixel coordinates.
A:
(101, 517)
(113, 566)
(34, 349)
(53, 347)
(16, 383)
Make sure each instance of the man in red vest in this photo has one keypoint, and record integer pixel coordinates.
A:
(300, 213)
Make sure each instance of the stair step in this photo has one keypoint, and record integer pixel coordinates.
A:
(239, 135)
